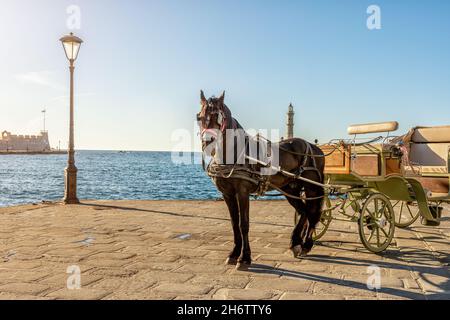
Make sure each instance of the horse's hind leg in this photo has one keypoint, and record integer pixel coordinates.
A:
(298, 235)
(233, 208)
(244, 209)
(299, 230)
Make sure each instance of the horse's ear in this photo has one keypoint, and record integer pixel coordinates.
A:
(202, 97)
(222, 97)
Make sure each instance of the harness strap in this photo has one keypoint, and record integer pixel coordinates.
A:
(308, 154)
(295, 197)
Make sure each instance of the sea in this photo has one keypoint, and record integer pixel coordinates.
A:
(104, 175)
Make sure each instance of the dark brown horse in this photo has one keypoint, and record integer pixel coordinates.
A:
(295, 156)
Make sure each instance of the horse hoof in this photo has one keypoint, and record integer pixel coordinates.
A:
(297, 251)
(242, 266)
(231, 261)
(305, 252)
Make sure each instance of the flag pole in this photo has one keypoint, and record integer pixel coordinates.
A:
(44, 112)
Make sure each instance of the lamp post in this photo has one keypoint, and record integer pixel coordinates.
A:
(71, 45)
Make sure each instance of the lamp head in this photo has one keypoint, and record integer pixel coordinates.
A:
(71, 45)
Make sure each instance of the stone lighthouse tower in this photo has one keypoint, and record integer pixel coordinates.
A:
(290, 122)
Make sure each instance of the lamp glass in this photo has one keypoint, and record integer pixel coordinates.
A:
(71, 48)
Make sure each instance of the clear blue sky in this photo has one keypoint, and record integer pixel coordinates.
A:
(143, 63)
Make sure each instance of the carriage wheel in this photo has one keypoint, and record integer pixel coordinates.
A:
(324, 222)
(406, 213)
(376, 223)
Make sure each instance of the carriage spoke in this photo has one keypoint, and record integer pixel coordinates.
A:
(382, 212)
(378, 236)
(401, 211)
(385, 233)
(371, 235)
(371, 213)
(409, 210)
(367, 224)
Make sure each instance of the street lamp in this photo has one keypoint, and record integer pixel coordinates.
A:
(71, 45)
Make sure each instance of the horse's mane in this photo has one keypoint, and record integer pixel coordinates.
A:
(232, 123)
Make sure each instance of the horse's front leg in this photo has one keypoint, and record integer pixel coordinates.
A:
(233, 208)
(314, 214)
(244, 224)
(314, 209)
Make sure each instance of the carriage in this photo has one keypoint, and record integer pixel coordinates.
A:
(385, 182)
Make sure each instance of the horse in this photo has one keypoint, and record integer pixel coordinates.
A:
(296, 156)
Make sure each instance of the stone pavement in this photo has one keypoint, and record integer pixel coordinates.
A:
(177, 249)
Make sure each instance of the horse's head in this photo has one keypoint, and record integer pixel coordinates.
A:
(211, 118)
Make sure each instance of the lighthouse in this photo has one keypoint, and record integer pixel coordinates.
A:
(290, 122)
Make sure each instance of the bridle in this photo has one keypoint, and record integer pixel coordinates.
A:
(205, 118)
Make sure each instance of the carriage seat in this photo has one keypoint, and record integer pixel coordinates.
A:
(373, 127)
(429, 150)
(429, 157)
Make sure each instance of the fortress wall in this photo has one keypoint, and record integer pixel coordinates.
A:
(25, 143)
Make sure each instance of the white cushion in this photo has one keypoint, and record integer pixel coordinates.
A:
(431, 134)
(373, 127)
(429, 154)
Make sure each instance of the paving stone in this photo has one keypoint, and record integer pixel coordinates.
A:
(183, 289)
(222, 281)
(23, 276)
(309, 296)
(24, 288)
(275, 257)
(202, 268)
(282, 284)
(396, 294)
(148, 294)
(159, 258)
(194, 297)
(163, 276)
(107, 263)
(21, 296)
(239, 294)
(305, 266)
(112, 272)
(161, 266)
(343, 288)
(60, 280)
(78, 294)
(20, 265)
(112, 256)
(385, 281)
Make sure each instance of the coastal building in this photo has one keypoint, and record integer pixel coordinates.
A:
(24, 143)
(290, 122)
